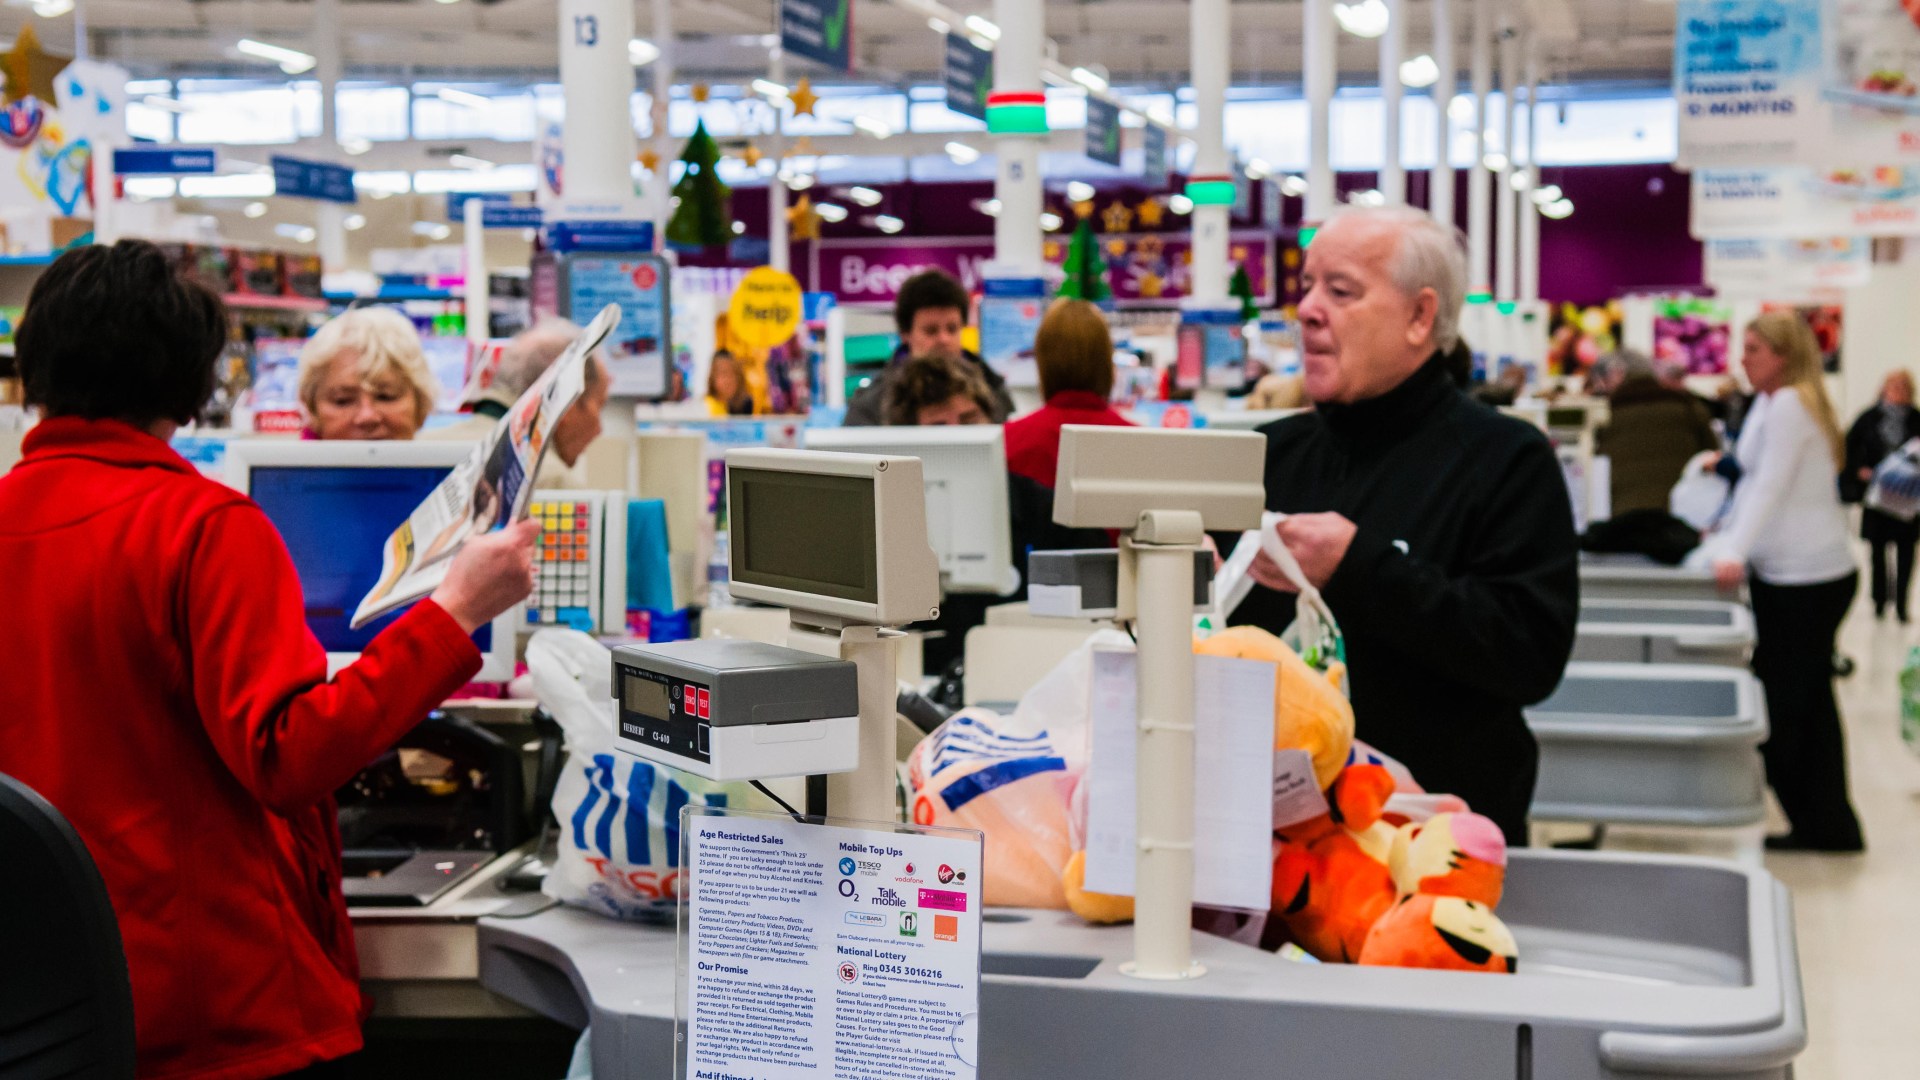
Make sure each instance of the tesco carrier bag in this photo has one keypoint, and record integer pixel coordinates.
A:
(619, 815)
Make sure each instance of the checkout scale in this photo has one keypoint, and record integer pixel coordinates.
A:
(1631, 965)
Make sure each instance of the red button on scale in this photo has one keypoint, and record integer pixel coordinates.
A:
(704, 714)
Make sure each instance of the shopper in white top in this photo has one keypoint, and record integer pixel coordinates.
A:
(1787, 537)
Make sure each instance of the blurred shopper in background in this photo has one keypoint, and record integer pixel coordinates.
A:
(1074, 352)
(1652, 433)
(1880, 431)
(727, 392)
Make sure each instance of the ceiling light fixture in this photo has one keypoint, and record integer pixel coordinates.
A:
(468, 161)
(1461, 108)
(872, 127)
(1295, 186)
(1558, 210)
(1495, 161)
(1090, 79)
(985, 27)
(865, 196)
(641, 52)
(989, 207)
(255, 210)
(1180, 204)
(833, 212)
(1367, 19)
(1080, 191)
(1545, 194)
(1521, 180)
(1051, 222)
(769, 88)
(1258, 169)
(962, 154)
(52, 9)
(291, 61)
(464, 97)
(356, 147)
(1420, 72)
(167, 104)
(354, 222)
(302, 233)
(889, 224)
(939, 25)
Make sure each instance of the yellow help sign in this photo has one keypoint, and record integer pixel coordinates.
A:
(766, 307)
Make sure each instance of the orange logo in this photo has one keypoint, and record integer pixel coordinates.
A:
(946, 928)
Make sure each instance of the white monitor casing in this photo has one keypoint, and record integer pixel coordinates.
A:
(1109, 476)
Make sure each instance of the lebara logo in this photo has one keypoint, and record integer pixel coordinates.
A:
(946, 873)
(866, 918)
(847, 867)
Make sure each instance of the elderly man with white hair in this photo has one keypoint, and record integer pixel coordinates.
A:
(522, 362)
(1439, 531)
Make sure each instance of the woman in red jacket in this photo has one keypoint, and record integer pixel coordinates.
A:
(1075, 355)
(166, 695)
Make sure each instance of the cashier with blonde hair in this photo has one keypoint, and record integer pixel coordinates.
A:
(365, 376)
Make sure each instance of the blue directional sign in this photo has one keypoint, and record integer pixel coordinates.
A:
(820, 30)
(303, 179)
(164, 160)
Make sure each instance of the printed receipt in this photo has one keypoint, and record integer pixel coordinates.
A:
(830, 952)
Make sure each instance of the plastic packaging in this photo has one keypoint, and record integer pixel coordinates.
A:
(1910, 701)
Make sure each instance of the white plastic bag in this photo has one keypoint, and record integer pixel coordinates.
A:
(1895, 488)
(1315, 634)
(1700, 495)
(619, 815)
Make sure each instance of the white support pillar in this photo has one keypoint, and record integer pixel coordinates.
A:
(1211, 184)
(659, 193)
(1440, 184)
(1393, 47)
(1320, 70)
(596, 80)
(1506, 266)
(1479, 183)
(330, 218)
(478, 295)
(778, 248)
(1528, 209)
(1016, 118)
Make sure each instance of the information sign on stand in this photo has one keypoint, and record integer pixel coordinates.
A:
(968, 71)
(1220, 335)
(820, 948)
(1010, 313)
(636, 352)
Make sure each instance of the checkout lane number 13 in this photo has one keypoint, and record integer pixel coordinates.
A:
(586, 30)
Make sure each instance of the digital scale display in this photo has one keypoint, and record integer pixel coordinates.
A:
(667, 713)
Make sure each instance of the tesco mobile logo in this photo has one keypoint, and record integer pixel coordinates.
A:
(847, 867)
(946, 873)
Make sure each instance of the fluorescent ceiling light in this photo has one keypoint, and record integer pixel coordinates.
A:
(887, 223)
(739, 228)
(1295, 186)
(1161, 115)
(231, 186)
(962, 154)
(255, 210)
(833, 212)
(356, 147)
(424, 228)
(872, 127)
(642, 52)
(1495, 161)
(463, 97)
(1558, 210)
(1521, 180)
(167, 104)
(1089, 79)
(989, 207)
(449, 1)
(442, 232)
(1180, 204)
(1548, 193)
(382, 184)
(1050, 222)
(1420, 72)
(769, 88)
(291, 61)
(142, 188)
(354, 222)
(1461, 108)
(865, 196)
(1369, 197)
(1367, 19)
(800, 182)
(302, 233)
(1080, 191)
(468, 161)
(939, 25)
(986, 28)
(1258, 169)
(52, 9)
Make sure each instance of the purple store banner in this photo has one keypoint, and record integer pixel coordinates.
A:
(1144, 269)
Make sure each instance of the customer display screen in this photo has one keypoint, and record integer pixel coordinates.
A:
(335, 520)
(805, 533)
(648, 697)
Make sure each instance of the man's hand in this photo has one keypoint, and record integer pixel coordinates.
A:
(1318, 543)
(489, 575)
(1730, 574)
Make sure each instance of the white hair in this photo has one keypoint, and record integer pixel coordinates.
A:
(533, 350)
(384, 341)
(1429, 255)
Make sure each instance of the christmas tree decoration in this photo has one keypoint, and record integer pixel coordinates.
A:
(1083, 209)
(1086, 270)
(30, 70)
(1241, 289)
(1117, 218)
(700, 92)
(1151, 212)
(802, 222)
(803, 98)
(704, 215)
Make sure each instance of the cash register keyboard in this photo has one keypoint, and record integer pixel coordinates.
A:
(566, 573)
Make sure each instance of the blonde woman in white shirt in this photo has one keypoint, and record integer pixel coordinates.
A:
(1787, 538)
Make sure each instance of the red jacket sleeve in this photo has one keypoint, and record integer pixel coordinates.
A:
(289, 734)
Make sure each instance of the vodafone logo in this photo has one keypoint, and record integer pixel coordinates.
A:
(909, 868)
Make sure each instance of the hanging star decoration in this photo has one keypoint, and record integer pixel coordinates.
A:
(649, 160)
(1239, 250)
(802, 222)
(1050, 251)
(1083, 208)
(803, 98)
(1117, 218)
(751, 155)
(700, 93)
(1151, 213)
(1150, 286)
(30, 70)
(1116, 248)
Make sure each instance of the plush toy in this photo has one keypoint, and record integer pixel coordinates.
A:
(1463, 855)
(1331, 880)
(1441, 932)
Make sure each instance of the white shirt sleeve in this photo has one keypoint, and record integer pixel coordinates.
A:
(1790, 441)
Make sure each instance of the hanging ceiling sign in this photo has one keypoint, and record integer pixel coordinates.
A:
(1799, 202)
(1747, 78)
(820, 30)
(1103, 131)
(968, 74)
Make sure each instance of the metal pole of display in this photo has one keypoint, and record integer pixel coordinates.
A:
(778, 255)
(1320, 70)
(1017, 121)
(330, 222)
(479, 309)
(596, 81)
(658, 190)
(1393, 46)
(1506, 268)
(1479, 192)
(1211, 186)
(1440, 185)
(1529, 209)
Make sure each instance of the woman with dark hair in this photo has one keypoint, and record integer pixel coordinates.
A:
(166, 694)
(1890, 424)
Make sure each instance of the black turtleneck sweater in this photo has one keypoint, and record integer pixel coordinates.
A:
(1459, 594)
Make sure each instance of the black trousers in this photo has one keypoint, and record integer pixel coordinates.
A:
(1892, 583)
(1805, 754)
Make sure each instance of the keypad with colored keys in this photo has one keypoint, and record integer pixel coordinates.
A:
(566, 578)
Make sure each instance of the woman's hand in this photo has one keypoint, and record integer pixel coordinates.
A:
(489, 575)
(1710, 462)
(1866, 473)
(1729, 574)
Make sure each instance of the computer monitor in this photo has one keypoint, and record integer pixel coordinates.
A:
(1109, 476)
(837, 535)
(335, 504)
(965, 472)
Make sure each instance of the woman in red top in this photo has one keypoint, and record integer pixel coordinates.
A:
(1075, 354)
(166, 695)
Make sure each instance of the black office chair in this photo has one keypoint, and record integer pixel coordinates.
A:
(66, 1005)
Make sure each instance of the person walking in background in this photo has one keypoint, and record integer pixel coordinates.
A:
(1652, 433)
(1880, 431)
(1786, 536)
(727, 392)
